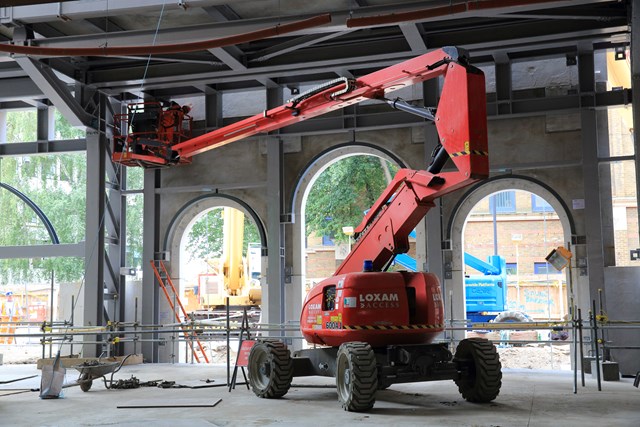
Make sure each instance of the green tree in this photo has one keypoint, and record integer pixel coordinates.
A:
(57, 184)
(134, 221)
(205, 239)
(343, 192)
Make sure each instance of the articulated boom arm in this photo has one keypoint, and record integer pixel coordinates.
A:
(461, 122)
(328, 98)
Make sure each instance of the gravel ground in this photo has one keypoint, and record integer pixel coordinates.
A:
(536, 356)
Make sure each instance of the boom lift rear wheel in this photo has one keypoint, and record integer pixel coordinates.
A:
(356, 376)
(481, 377)
(270, 369)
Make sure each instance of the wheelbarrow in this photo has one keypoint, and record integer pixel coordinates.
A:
(94, 369)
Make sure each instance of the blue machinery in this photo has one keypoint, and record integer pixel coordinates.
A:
(486, 293)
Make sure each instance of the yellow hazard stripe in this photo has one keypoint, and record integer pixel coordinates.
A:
(469, 152)
(389, 327)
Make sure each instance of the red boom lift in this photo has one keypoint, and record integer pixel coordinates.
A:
(376, 328)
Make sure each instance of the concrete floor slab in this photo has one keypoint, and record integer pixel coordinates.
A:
(527, 398)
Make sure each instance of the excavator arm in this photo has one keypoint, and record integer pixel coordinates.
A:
(461, 123)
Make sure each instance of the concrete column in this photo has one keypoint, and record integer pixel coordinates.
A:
(273, 294)
(150, 246)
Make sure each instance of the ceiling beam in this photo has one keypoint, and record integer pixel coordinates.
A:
(292, 45)
(411, 32)
(54, 89)
(105, 24)
(213, 30)
(353, 57)
(76, 10)
(19, 89)
(222, 13)
(230, 55)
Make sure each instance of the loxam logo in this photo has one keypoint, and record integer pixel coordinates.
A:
(379, 300)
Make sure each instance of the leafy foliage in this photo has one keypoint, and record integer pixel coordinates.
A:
(57, 184)
(343, 192)
(205, 239)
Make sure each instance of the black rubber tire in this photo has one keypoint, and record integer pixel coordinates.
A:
(85, 382)
(356, 376)
(270, 369)
(512, 316)
(479, 361)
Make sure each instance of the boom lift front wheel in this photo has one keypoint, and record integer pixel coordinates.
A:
(479, 364)
(270, 369)
(356, 376)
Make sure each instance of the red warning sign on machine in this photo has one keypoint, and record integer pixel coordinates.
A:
(243, 354)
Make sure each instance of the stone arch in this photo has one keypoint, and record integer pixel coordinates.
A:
(191, 210)
(454, 232)
(304, 183)
(180, 223)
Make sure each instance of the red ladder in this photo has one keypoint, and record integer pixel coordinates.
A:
(189, 335)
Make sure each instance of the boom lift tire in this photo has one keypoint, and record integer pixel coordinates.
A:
(270, 369)
(483, 378)
(356, 376)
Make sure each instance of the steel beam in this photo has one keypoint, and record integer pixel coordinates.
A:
(213, 110)
(231, 56)
(222, 13)
(93, 291)
(503, 85)
(76, 10)
(591, 181)
(293, 45)
(55, 90)
(41, 147)
(18, 89)
(414, 38)
(319, 60)
(76, 250)
(190, 33)
(150, 246)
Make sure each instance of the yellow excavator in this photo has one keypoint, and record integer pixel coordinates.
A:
(232, 274)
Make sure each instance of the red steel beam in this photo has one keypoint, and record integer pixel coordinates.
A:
(169, 48)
